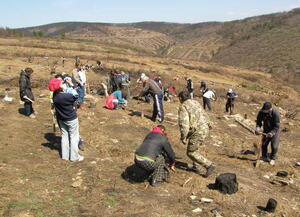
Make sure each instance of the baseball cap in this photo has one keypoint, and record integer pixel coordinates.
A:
(266, 107)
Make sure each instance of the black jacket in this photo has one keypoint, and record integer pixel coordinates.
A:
(154, 145)
(271, 121)
(25, 87)
(189, 85)
(64, 106)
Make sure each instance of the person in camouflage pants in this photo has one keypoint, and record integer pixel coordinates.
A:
(194, 127)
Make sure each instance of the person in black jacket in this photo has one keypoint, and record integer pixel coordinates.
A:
(64, 104)
(26, 94)
(269, 118)
(150, 155)
(190, 87)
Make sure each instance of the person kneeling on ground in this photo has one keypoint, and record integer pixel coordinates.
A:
(114, 100)
(150, 155)
(67, 118)
(194, 127)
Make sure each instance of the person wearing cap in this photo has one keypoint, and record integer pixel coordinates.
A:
(153, 88)
(26, 94)
(150, 155)
(64, 104)
(268, 124)
(142, 80)
(231, 95)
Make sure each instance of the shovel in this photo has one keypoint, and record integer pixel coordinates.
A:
(259, 149)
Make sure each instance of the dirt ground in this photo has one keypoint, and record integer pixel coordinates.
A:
(34, 180)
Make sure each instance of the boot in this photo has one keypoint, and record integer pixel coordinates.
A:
(210, 170)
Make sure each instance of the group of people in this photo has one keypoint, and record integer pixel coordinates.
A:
(209, 94)
(155, 151)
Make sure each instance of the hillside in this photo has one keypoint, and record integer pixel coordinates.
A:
(36, 182)
(269, 43)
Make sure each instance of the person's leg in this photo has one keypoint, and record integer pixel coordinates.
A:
(227, 106)
(274, 146)
(160, 173)
(74, 139)
(155, 107)
(160, 107)
(195, 141)
(80, 94)
(204, 103)
(208, 104)
(264, 147)
(65, 145)
(192, 95)
(27, 108)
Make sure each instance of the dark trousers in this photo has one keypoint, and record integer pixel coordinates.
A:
(28, 108)
(127, 89)
(206, 102)
(274, 146)
(229, 106)
(158, 108)
(157, 168)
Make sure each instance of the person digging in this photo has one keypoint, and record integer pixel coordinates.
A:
(267, 125)
(150, 155)
(194, 127)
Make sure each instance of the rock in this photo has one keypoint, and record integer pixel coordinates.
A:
(266, 177)
(282, 174)
(7, 99)
(216, 211)
(197, 210)
(193, 197)
(77, 183)
(232, 125)
(298, 163)
(206, 200)
(114, 141)
(42, 95)
(227, 183)
(271, 205)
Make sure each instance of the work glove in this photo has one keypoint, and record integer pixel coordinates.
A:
(258, 131)
(172, 166)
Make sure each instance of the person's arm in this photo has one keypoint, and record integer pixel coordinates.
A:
(276, 123)
(169, 151)
(76, 77)
(259, 119)
(22, 87)
(145, 90)
(184, 122)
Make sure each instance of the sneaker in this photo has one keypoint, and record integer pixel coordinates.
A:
(32, 116)
(80, 158)
(210, 170)
(80, 144)
(155, 183)
(272, 162)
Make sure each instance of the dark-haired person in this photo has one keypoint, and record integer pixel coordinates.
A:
(190, 87)
(269, 119)
(64, 104)
(26, 94)
(194, 127)
(150, 155)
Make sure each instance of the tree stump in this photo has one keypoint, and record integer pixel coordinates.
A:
(226, 183)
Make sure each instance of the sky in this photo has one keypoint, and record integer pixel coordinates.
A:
(25, 13)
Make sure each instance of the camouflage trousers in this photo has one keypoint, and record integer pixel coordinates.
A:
(195, 142)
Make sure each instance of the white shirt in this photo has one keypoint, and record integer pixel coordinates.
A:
(209, 94)
(82, 76)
